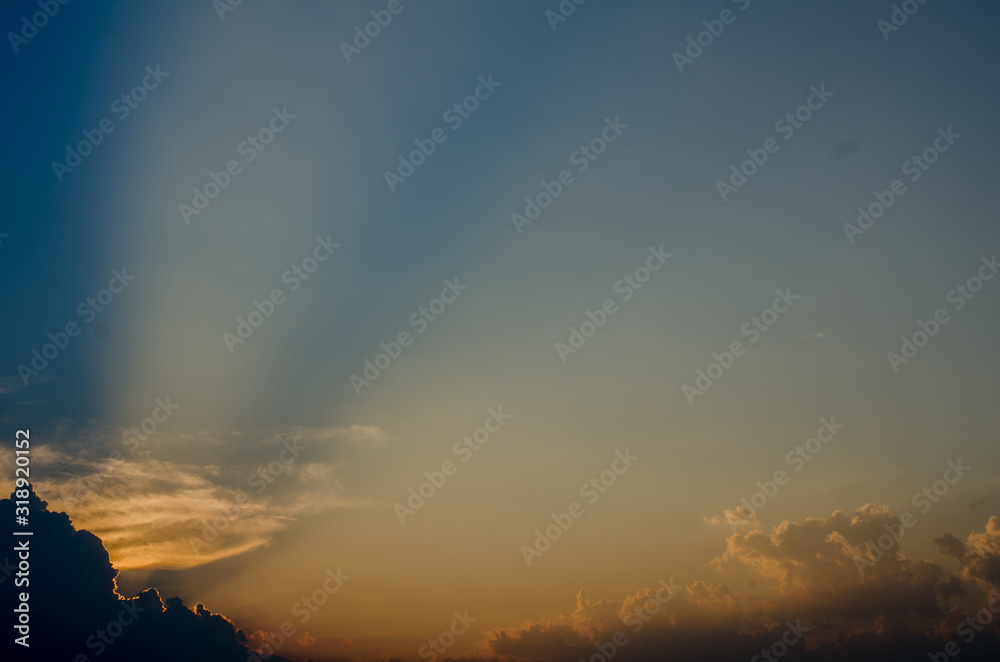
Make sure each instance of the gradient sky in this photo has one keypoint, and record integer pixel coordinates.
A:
(495, 345)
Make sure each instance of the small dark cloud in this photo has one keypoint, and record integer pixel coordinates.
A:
(845, 149)
(974, 505)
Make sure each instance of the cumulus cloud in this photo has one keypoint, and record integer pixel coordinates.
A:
(364, 435)
(979, 554)
(898, 608)
(801, 577)
(817, 565)
(737, 519)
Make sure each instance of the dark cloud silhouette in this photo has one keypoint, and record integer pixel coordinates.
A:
(77, 615)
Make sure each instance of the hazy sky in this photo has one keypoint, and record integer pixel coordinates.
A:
(510, 293)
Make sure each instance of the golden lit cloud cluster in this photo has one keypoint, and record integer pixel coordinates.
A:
(802, 573)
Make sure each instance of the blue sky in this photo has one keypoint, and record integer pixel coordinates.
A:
(656, 184)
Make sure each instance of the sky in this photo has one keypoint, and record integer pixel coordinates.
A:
(609, 268)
